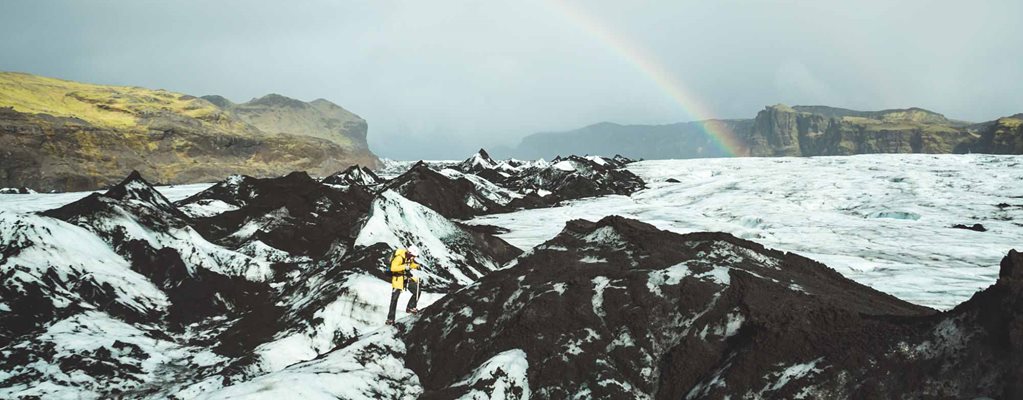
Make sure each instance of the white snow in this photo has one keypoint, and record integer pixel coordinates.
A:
(195, 250)
(361, 308)
(259, 250)
(400, 223)
(207, 208)
(514, 366)
(87, 332)
(74, 255)
(827, 209)
(486, 188)
(564, 166)
(597, 159)
(366, 369)
(599, 284)
(791, 372)
(45, 201)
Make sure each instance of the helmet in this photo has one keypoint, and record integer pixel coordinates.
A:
(413, 251)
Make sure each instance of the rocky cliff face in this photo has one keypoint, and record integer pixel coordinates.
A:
(780, 130)
(62, 135)
(1002, 136)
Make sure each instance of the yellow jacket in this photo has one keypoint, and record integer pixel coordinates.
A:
(399, 264)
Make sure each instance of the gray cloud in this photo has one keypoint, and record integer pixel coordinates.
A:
(438, 79)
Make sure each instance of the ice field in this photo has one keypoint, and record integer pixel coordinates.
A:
(882, 220)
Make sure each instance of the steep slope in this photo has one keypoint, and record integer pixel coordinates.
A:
(355, 175)
(293, 214)
(452, 197)
(62, 135)
(133, 210)
(99, 293)
(453, 255)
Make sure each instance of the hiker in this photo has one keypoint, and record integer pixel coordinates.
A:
(402, 264)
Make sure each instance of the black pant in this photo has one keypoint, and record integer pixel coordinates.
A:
(413, 287)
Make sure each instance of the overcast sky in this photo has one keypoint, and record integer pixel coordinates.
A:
(437, 79)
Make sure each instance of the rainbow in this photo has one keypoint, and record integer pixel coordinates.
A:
(723, 137)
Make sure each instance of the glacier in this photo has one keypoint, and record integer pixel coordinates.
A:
(831, 209)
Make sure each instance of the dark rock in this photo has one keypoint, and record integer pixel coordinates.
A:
(355, 175)
(1011, 267)
(672, 180)
(974, 227)
(295, 213)
(17, 190)
(487, 229)
(452, 198)
(479, 162)
(576, 177)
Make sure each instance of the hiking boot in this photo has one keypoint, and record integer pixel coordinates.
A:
(389, 322)
(412, 310)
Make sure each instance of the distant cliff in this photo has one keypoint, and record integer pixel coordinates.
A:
(781, 130)
(1001, 136)
(63, 135)
(320, 118)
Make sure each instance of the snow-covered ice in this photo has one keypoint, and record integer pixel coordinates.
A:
(46, 201)
(882, 220)
(342, 374)
(506, 370)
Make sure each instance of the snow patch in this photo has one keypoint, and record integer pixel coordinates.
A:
(207, 208)
(507, 370)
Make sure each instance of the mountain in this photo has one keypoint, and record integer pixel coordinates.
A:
(319, 118)
(780, 130)
(356, 175)
(60, 135)
(451, 197)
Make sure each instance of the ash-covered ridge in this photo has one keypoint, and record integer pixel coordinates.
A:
(126, 294)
